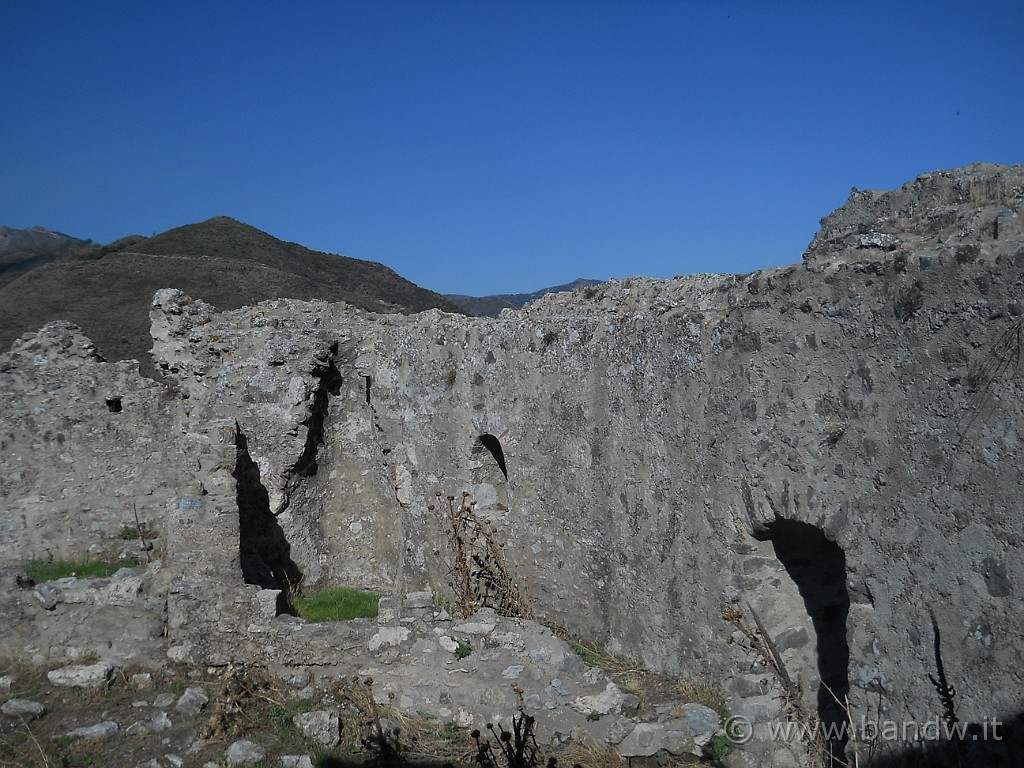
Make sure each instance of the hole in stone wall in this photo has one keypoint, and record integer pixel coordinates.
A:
(817, 566)
(263, 548)
(113, 404)
(369, 383)
(330, 381)
(493, 446)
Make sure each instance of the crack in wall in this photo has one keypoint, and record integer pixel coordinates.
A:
(329, 380)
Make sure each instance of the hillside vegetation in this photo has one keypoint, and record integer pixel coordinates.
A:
(107, 290)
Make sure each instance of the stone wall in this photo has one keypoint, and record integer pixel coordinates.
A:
(830, 447)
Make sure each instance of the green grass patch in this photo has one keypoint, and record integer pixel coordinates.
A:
(338, 604)
(48, 570)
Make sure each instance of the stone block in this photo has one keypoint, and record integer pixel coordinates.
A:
(99, 731)
(192, 701)
(322, 726)
(644, 741)
(703, 722)
(23, 708)
(245, 752)
(82, 675)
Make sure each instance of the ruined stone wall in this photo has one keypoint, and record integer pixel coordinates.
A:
(86, 446)
(832, 447)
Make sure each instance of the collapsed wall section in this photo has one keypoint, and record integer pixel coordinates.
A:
(78, 476)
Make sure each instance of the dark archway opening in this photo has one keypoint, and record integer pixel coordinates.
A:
(493, 446)
(817, 566)
(264, 550)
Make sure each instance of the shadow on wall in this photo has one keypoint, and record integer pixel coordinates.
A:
(264, 551)
(493, 447)
(817, 566)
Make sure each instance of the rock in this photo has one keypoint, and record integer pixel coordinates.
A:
(419, 601)
(163, 700)
(607, 702)
(158, 722)
(124, 591)
(245, 752)
(297, 680)
(6, 681)
(268, 603)
(630, 703)
(388, 636)
(703, 722)
(154, 763)
(99, 731)
(192, 701)
(644, 740)
(23, 708)
(82, 675)
(618, 729)
(676, 737)
(483, 623)
(47, 595)
(296, 761)
(884, 241)
(321, 726)
(141, 681)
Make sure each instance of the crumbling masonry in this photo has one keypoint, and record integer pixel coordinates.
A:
(833, 447)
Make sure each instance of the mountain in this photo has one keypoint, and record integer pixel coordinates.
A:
(107, 290)
(25, 249)
(491, 306)
(35, 239)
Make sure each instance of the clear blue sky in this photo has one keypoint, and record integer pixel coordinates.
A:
(484, 147)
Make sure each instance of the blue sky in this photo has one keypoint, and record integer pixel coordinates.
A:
(485, 147)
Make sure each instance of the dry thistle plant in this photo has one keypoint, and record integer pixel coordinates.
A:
(480, 576)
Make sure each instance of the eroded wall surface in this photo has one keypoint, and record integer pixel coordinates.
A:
(832, 447)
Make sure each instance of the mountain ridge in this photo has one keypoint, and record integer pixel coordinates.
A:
(107, 290)
(491, 306)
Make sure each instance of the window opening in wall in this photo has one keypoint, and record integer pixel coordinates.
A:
(493, 446)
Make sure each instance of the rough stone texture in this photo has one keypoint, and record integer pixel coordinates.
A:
(192, 702)
(155, 723)
(832, 447)
(245, 753)
(74, 471)
(98, 731)
(22, 708)
(120, 619)
(647, 739)
(82, 675)
(321, 726)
